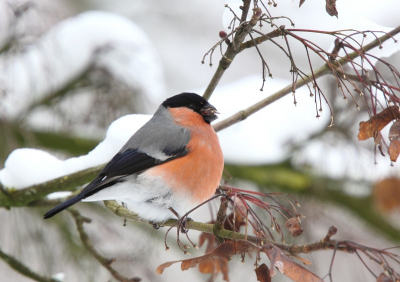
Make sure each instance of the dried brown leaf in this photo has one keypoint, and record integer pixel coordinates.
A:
(303, 260)
(394, 150)
(223, 251)
(394, 137)
(287, 266)
(190, 263)
(212, 266)
(294, 227)
(227, 249)
(209, 266)
(383, 278)
(376, 123)
(394, 132)
(215, 266)
(239, 221)
(331, 8)
(263, 273)
(210, 239)
(301, 2)
(160, 269)
(387, 194)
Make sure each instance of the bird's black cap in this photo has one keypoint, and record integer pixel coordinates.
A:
(194, 102)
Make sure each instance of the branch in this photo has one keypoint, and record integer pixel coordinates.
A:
(382, 257)
(22, 269)
(290, 180)
(257, 41)
(22, 197)
(221, 217)
(325, 69)
(232, 50)
(80, 220)
(245, 9)
(127, 214)
(324, 244)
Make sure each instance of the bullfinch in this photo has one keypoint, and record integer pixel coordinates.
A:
(171, 164)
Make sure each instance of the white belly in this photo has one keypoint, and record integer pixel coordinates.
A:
(146, 196)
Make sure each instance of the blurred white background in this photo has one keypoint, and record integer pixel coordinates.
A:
(137, 53)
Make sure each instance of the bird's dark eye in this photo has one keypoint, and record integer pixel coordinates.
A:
(191, 106)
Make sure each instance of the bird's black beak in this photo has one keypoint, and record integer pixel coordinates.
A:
(209, 113)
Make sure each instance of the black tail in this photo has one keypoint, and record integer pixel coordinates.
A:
(63, 206)
(93, 187)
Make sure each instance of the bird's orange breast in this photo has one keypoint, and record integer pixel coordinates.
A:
(196, 175)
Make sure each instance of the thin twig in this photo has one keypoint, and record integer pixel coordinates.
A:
(325, 69)
(80, 220)
(221, 217)
(23, 269)
(324, 244)
(231, 52)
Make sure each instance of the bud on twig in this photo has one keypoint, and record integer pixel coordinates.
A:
(332, 231)
(222, 34)
(293, 225)
(257, 12)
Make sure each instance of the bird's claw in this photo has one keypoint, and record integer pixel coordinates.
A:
(183, 224)
(184, 230)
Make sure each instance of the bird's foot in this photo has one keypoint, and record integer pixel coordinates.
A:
(182, 224)
(181, 221)
(156, 225)
(183, 228)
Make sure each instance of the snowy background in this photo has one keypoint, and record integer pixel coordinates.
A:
(151, 50)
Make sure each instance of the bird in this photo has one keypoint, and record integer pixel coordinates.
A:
(170, 165)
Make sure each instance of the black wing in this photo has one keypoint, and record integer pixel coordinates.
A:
(122, 164)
